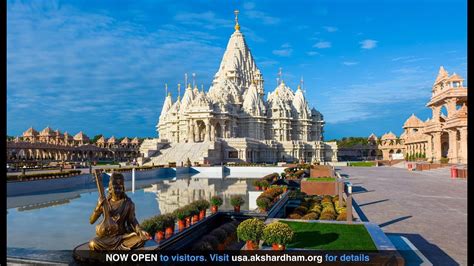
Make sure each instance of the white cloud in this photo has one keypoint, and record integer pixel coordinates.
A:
(368, 44)
(249, 5)
(322, 45)
(330, 29)
(313, 53)
(285, 50)
(262, 16)
(350, 63)
(95, 68)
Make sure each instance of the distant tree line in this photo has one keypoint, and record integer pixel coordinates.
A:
(348, 142)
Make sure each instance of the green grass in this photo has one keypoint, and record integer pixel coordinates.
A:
(321, 179)
(324, 236)
(362, 164)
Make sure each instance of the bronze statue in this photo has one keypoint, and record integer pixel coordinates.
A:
(119, 230)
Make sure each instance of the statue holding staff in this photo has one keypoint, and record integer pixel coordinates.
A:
(119, 230)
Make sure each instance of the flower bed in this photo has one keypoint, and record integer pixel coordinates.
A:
(319, 208)
(219, 238)
(266, 200)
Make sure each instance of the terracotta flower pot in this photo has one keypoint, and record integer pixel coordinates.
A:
(169, 231)
(159, 235)
(181, 225)
(195, 218)
(221, 247)
(202, 214)
(251, 245)
(214, 208)
(278, 246)
(188, 221)
(236, 208)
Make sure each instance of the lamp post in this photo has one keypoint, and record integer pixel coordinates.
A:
(349, 202)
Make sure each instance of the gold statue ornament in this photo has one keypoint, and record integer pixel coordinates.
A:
(119, 230)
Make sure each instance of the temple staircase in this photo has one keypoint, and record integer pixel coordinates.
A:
(180, 152)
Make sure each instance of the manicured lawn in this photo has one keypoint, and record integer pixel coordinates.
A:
(363, 164)
(323, 236)
(321, 179)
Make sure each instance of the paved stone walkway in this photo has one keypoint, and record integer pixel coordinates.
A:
(427, 207)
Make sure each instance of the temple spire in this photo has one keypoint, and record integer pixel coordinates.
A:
(237, 26)
(166, 89)
(179, 91)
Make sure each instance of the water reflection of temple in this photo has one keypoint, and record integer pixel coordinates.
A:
(172, 194)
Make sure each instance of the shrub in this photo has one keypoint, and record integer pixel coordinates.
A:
(237, 200)
(202, 246)
(311, 216)
(277, 233)
(168, 220)
(250, 229)
(212, 240)
(180, 213)
(301, 210)
(264, 183)
(257, 183)
(216, 201)
(342, 216)
(220, 234)
(229, 228)
(202, 204)
(294, 216)
(327, 216)
(160, 222)
(263, 203)
(148, 225)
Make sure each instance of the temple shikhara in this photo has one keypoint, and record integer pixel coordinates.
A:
(443, 137)
(233, 122)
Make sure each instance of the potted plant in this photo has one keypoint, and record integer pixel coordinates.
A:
(251, 231)
(264, 184)
(169, 220)
(278, 235)
(180, 216)
(237, 201)
(188, 213)
(257, 185)
(263, 203)
(216, 201)
(194, 213)
(148, 225)
(202, 206)
(160, 225)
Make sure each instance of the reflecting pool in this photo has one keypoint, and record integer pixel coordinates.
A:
(40, 225)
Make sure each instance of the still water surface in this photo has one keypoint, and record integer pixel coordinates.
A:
(60, 220)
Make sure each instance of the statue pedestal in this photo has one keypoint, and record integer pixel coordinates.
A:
(82, 254)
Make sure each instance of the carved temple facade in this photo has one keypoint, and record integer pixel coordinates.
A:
(444, 135)
(236, 120)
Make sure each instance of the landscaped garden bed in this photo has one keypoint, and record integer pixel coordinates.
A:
(316, 208)
(362, 164)
(330, 236)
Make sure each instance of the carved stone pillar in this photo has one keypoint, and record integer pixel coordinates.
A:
(436, 113)
(437, 146)
(463, 145)
(208, 129)
(453, 146)
(451, 106)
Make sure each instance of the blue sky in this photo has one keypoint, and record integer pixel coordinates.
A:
(101, 66)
